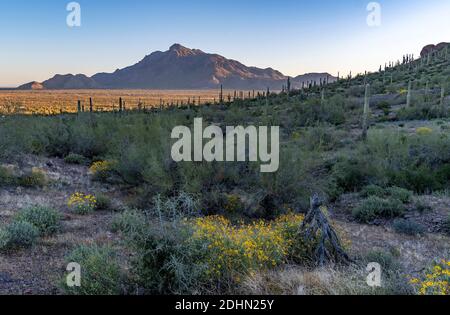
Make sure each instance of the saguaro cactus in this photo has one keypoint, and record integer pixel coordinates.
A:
(365, 124)
(443, 97)
(221, 94)
(408, 96)
(91, 108)
(79, 106)
(289, 85)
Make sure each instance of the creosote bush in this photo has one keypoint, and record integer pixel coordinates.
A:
(101, 274)
(376, 207)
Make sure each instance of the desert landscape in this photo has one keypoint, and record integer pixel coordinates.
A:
(363, 178)
(185, 153)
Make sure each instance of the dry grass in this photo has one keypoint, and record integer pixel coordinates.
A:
(56, 101)
(294, 280)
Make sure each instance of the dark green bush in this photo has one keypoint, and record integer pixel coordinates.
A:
(408, 227)
(103, 202)
(76, 159)
(46, 220)
(375, 207)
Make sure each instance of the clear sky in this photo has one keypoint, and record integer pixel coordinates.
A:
(293, 36)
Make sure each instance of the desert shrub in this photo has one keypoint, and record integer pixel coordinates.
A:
(175, 208)
(165, 263)
(233, 204)
(408, 227)
(130, 222)
(45, 219)
(76, 159)
(6, 177)
(35, 178)
(238, 250)
(421, 205)
(434, 281)
(20, 235)
(101, 170)
(387, 260)
(101, 274)
(401, 194)
(81, 203)
(372, 190)
(103, 202)
(350, 174)
(375, 207)
(421, 112)
(208, 254)
(4, 239)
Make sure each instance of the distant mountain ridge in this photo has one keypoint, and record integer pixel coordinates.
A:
(180, 68)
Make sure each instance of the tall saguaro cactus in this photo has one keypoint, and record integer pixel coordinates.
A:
(408, 96)
(91, 106)
(366, 113)
(443, 97)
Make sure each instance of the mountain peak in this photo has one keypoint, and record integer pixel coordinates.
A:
(182, 51)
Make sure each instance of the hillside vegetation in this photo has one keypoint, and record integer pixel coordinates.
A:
(375, 148)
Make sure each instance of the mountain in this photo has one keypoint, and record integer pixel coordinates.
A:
(432, 48)
(180, 68)
(31, 86)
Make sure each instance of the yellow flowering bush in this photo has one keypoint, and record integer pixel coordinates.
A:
(100, 169)
(234, 250)
(422, 131)
(434, 282)
(81, 203)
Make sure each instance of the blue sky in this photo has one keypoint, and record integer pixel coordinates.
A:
(292, 36)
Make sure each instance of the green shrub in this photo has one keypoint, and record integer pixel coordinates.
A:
(4, 239)
(401, 194)
(6, 177)
(376, 207)
(408, 227)
(421, 206)
(46, 220)
(103, 202)
(100, 271)
(20, 235)
(386, 260)
(372, 190)
(76, 159)
(166, 264)
(131, 223)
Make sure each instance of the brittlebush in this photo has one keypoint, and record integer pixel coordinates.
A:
(434, 282)
(237, 250)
